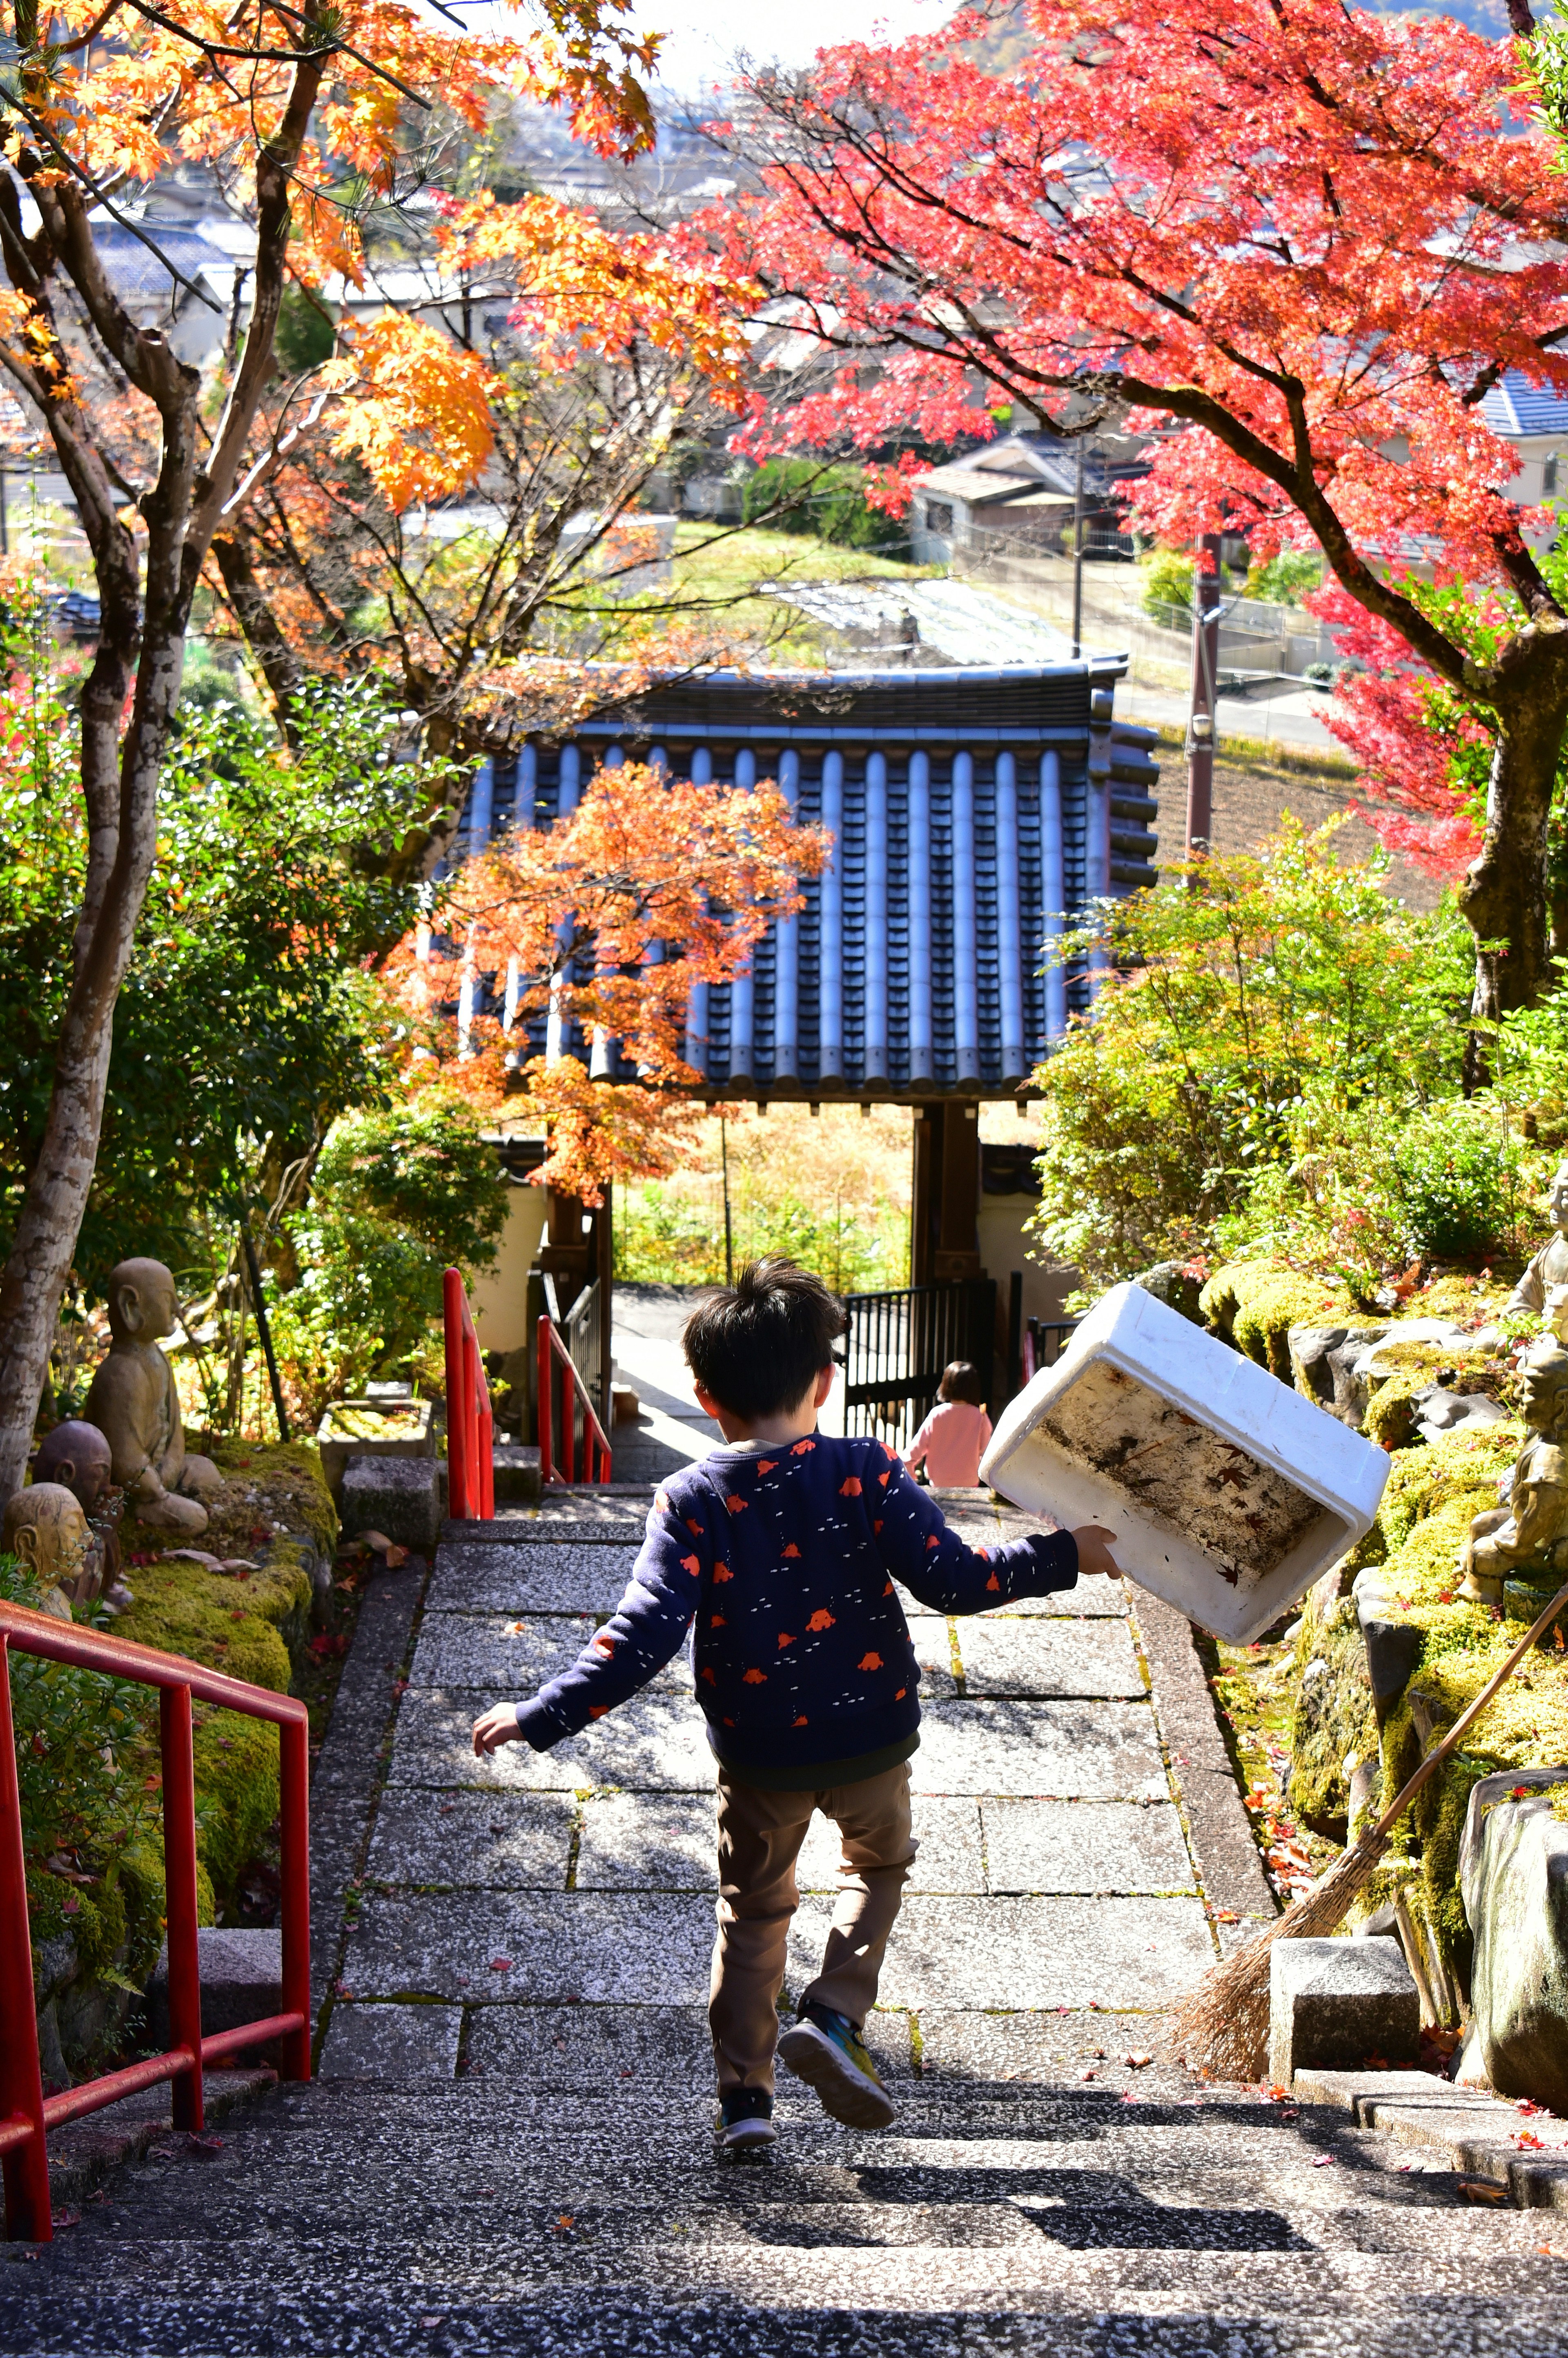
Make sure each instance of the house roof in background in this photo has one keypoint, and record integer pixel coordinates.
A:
(1515, 409)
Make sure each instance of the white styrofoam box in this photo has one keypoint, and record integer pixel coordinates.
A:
(1228, 1492)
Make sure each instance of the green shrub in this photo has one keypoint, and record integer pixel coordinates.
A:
(1279, 1020)
(1285, 579)
(1167, 586)
(830, 504)
(1454, 1175)
(397, 1198)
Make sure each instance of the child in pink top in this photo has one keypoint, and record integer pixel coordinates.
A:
(952, 1440)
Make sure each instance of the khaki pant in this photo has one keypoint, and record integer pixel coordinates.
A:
(760, 1835)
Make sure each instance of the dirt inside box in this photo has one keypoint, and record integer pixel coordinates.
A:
(1181, 1475)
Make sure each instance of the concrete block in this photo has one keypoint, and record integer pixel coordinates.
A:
(1513, 1874)
(397, 1495)
(1228, 1492)
(517, 1481)
(1332, 2004)
(241, 1981)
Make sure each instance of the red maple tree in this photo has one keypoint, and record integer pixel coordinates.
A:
(1312, 236)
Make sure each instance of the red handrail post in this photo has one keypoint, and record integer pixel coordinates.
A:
(180, 1887)
(546, 1402)
(294, 1778)
(454, 1308)
(26, 2169)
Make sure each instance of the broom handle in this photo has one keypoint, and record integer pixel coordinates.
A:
(1466, 1719)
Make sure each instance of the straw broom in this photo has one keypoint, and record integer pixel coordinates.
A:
(1223, 2028)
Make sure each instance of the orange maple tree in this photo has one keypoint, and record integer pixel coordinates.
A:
(602, 924)
(298, 113)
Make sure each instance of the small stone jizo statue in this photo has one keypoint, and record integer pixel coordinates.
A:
(134, 1404)
(1529, 1536)
(47, 1532)
(78, 1456)
(1544, 1288)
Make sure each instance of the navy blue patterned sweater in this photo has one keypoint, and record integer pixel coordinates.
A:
(786, 1561)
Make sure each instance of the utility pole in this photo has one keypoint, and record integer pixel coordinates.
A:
(1201, 721)
(1078, 552)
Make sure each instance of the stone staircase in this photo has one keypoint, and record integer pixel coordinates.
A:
(508, 2149)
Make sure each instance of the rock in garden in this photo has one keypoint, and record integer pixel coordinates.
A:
(1323, 1361)
(1332, 2004)
(1513, 1875)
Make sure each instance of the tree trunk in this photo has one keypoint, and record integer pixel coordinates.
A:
(1505, 897)
(38, 1267)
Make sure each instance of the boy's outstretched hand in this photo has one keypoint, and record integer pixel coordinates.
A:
(498, 1727)
(1093, 1543)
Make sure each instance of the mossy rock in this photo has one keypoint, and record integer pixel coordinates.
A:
(237, 1765)
(1467, 1464)
(289, 1492)
(1391, 1417)
(1254, 1305)
(1334, 1718)
(238, 1627)
(211, 1617)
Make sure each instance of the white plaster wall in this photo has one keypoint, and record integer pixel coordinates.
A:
(1004, 1248)
(500, 1297)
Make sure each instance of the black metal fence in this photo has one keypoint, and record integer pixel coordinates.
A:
(1045, 1341)
(898, 1344)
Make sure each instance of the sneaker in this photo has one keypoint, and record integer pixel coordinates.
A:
(744, 2128)
(825, 2050)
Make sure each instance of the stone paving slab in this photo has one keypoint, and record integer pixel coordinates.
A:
(1015, 1656)
(1084, 1846)
(1051, 1952)
(392, 2042)
(576, 1576)
(634, 1948)
(511, 1655)
(585, 2049)
(659, 1842)
(656, 1741)
(500, 1841)
(1097, 1751)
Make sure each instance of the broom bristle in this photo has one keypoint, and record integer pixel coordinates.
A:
(1222, 2029)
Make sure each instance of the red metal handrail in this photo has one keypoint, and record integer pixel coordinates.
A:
(471, 1426)
(26, 2112)
(553, 1355)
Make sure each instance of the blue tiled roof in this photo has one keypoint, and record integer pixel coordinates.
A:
(137, 276)
(1516, 406)
(968, 809)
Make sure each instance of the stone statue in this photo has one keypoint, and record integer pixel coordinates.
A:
(1543, 1288)
(133, 1403)
(78, 1456)
(47, 1532)
(1530, 1535)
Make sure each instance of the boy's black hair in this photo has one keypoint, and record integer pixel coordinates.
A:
(960, 1381)
(758, 1345)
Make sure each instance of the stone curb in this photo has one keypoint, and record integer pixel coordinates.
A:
(1476, 2130)
(85, 2152)
(1229, 1869)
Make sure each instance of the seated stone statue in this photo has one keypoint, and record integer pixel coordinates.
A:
(78, 1456)
(133, 1403)
(1543, 1288)
(1529, 1536)
(47, 1532)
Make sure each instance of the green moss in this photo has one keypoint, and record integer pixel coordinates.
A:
(1463, 1465)
(1389, 1420)
(1254, 1305)
(238, 1627)
(1333, 1718)
(291, 1492)
(213, 1618)
(237, 1791)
